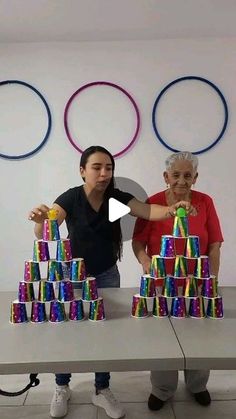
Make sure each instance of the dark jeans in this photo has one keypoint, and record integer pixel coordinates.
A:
(107, 279)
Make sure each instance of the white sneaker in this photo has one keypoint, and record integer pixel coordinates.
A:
(106, 399)
(59, 401)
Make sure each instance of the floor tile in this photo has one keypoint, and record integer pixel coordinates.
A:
(141, 411)
(217, 410)
(42, 412)
(131, 386)
(13, 383)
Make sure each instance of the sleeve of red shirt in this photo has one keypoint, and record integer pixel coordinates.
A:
(213, 223)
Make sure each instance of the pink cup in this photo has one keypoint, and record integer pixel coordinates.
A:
(41, 251)
(139, 307)
(32, 271)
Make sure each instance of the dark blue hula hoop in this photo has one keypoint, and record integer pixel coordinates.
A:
(177, 81)
(30, 153)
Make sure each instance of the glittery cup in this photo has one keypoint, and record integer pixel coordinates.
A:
(215, 308)
(51, 230)
(46, 291)
(38, 312)
(160, 307)
(41, 251)
(201, 269)
(76, 311)
(178, 307)
(55, 271)
(180, 228)
(180, 267)
(89, 289)
(192, 247)
(147, 286)
(66, 292)
(96, 310)
(190, 288)
(64, 250)
(25, 292)
(32, 271)
(57, 312)
(18, 312)
(139, 307)
(196, 308)
(167, 247)
(158, 267)
(210, 287)
(77, 270)
(170, 287)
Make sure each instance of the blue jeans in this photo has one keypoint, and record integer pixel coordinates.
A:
(107, 279)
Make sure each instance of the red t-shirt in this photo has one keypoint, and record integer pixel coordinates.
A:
(205, 225)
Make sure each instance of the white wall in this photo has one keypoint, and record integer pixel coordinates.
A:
(143, 68)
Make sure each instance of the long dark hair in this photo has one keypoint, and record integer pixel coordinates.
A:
(116, 229)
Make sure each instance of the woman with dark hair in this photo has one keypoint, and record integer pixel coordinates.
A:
(97, 240)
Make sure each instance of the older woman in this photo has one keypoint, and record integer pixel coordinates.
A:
(180, 175)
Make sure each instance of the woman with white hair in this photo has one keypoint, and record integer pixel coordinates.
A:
(180, 176)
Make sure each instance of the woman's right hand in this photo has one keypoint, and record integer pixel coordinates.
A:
(146, 264)
(39, 214)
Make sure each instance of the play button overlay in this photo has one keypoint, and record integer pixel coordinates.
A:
(116, 210)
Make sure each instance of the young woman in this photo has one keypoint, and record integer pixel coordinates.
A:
(99, 242)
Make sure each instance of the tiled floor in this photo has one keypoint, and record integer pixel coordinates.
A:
(131, 388)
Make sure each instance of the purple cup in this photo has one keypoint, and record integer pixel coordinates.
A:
(147, 286)
(41, 251)
(76, 311)
(197, 308)
(201, 269)
(18, 312)
(160, 307)
(210, 287)
(66, 292)
(215, 308)
(38, 312)
(170, 287)
(46, 291)
(26, 292)
(178, 308)
(57, 312)
(167, 246)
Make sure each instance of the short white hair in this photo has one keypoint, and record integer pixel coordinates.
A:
(182, 155)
